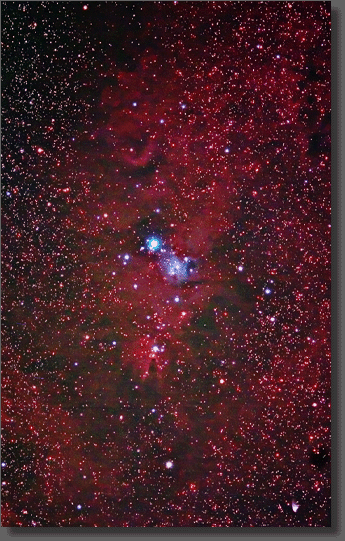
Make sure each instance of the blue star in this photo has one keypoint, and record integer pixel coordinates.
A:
(153, 244)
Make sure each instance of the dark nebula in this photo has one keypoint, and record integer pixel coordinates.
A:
(166, 264)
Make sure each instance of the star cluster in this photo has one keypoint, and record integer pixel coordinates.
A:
(166, 264)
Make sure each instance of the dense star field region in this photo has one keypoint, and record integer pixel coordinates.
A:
(166, 264)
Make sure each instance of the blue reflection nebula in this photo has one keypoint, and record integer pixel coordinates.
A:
(176, 270)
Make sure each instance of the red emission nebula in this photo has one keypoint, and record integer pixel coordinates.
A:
(166, 264)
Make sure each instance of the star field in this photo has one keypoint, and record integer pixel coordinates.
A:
(166, 264)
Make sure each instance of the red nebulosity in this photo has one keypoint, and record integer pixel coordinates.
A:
(136, 395)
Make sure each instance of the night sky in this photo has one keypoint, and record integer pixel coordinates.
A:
(166, 264)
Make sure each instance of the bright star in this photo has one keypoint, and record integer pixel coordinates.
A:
(153, 244)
